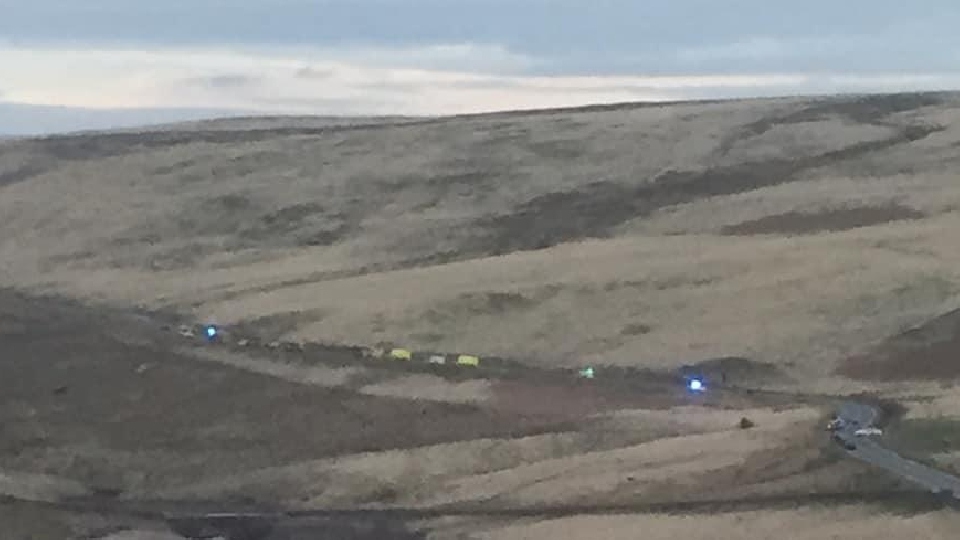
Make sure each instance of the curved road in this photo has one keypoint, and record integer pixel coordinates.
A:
(857, 415)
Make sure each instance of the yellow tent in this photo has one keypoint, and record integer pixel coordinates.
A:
(468, 360)
(400, 354)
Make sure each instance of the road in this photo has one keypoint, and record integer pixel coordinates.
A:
(869, 450)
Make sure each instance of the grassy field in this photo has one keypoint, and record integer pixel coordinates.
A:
(810, 243)
(824, 225)
(852, 523)
(100, 403)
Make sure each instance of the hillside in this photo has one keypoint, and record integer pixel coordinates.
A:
(817, 236)
(794, 231)
(103, 410)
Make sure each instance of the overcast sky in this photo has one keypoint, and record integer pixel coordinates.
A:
(177, 59)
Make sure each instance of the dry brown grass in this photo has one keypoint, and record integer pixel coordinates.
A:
(807, 524)
(630, 457)
(926, 352)
(794, 231)
(946, 404)
(83, 409)
(236, 225)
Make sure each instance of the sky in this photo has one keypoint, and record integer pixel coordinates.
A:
(70, 64)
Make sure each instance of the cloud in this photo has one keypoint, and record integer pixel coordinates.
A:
(428, 80)
(309, 72)
(226, 81)
(431, 80)
(754, 48)
(477, 58)
(444, 56)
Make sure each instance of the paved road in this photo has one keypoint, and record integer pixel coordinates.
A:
(857, 415)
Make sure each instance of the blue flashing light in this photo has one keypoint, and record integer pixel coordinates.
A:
(211, 331)
(695, 385)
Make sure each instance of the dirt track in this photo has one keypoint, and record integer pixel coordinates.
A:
(109, 392)
(99, 397)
